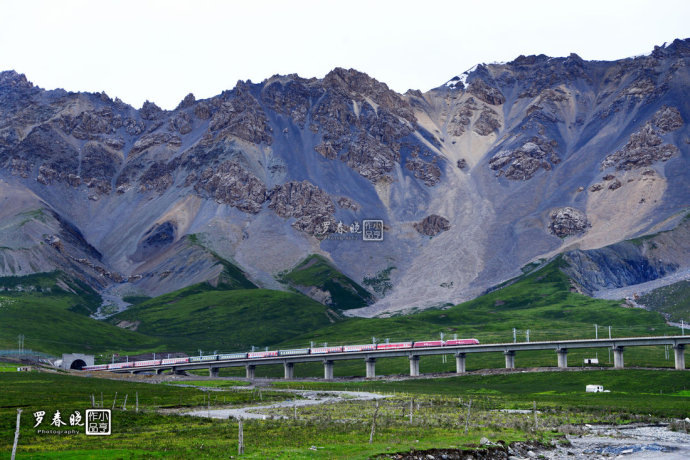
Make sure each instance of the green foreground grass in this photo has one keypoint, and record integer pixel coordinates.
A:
(415, 414)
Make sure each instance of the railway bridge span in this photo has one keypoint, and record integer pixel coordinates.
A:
(509, 350)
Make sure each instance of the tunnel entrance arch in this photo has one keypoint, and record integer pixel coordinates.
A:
(76, 361)
(77, 364)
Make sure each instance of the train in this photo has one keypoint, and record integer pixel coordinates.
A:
(289, 352)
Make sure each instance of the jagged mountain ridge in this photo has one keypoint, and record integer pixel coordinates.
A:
(473, 179)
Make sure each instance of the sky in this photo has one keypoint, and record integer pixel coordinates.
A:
(162, 50)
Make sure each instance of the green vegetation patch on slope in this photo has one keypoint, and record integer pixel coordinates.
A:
(540, 301)
(232, 276)
(50, 310)
(673, 299)
(317, 272)
(199, 317)
(77, 294)
(48, 325)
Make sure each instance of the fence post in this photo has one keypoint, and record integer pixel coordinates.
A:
(373, 423)
(240, 446)
(16, 433)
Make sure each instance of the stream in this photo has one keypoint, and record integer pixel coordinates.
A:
(636, 441)
(309, 398)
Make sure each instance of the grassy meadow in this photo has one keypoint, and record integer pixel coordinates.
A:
(412, 414)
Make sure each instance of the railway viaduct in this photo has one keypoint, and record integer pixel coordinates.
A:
(509, 350)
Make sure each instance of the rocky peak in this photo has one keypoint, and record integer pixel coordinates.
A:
(187, 102)
(677, 48)
(150, 111)
(356, 84)
(239, 114)
(11, 79)
(530, 60)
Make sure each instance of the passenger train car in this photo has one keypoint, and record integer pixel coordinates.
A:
(290, 352)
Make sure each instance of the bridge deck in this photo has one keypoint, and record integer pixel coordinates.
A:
(617, 344)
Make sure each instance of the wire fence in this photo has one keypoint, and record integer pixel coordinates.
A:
(26, 354)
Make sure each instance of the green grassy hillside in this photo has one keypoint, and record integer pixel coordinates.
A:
(673, 299)
(206, 318)
(50, 310)
(540, 301)
(317, 272)
(232, 276)
(199, 317)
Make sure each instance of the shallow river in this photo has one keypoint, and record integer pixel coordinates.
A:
(308, 398)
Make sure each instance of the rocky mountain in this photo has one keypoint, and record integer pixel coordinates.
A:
(502, 165)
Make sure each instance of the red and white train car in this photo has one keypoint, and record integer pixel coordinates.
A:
(262, 354)
(324, 350)
(174, 360)
(368, 347)
(428, 343)
(394, 346)
(150, 362)
(462, 342)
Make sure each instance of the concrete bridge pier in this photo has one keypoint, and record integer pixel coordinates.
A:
(618, 358)
(460, 363)
(562, 358)
(159, 371)
(213, 371)
(289, 370)
(414, 366)
(679, 352)
(328, 370)
(251, 371)
(371, 367)
(510, 359)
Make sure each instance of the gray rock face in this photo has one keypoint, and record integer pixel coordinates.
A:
(241, 116)
(231, 184)
(524, 162)
(432, 225)
(312, 207)
(361, 122)
(428, 172)
(156, 238)
(263, 173)
(486, 93)
(646, 146)
(487, 122)
(567, 221)
(614, 266)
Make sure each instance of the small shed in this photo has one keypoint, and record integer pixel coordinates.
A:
(594, 388)
(591, 361)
